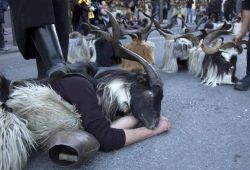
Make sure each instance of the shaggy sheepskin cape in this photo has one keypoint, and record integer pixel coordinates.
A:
(37, 112)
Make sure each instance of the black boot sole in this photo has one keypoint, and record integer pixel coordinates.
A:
(240, 88)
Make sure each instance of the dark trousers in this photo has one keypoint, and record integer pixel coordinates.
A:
(1, 36)
(248, 57)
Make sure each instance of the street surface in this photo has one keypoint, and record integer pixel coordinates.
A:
(210, 126)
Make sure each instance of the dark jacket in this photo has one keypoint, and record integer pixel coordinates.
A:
(29, 14)
(3, 8)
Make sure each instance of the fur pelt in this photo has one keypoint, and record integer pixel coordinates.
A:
(195, 60)
(114, 96)
(80, 50)
(45, 111)
(237, 28)
(213, 69)
(16, 141)
(142, 48)
(173, 50)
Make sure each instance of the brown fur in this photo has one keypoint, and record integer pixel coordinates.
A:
(142, 48)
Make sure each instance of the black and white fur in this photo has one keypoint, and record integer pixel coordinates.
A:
(214, 69)
(175, 49)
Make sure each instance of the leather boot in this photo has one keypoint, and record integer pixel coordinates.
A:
(48, 46)
(243, 84)
(41, 69)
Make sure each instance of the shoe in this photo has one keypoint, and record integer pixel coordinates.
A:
(4, 49)
(243, 84)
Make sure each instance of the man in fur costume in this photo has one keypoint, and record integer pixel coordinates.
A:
(64, 103)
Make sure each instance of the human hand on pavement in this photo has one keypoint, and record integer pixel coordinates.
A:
(163, 126)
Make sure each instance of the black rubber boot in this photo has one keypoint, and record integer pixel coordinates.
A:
(243, 84)
(48, 46)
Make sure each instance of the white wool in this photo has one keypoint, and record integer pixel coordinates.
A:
(173, 50)
(195, 61)
(78, 50)
(116, 95)
(16, 141)
(81, 50)
(228, 53)
(91, 45)
(213, 79)
(45, 111)
(237, 28)
(169, 61)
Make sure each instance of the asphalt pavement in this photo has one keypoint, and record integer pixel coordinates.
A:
(210, 126)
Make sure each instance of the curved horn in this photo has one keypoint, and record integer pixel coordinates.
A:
(103, 34)
(115, 27)
(211, 50)
(154, 78)
(228, 45)
(166, 35)
(190, 37)
(215, 34)
(200, 22)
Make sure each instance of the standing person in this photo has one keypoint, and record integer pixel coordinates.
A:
(238, 6)
(215, 9)
(228, 7)
(76, 15)
(3, 8)
(189, 4)
(42, 33)
(156, 8)
(244, 83)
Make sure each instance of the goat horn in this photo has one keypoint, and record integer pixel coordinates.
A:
(190, 37)
(200, 22)
(103, 34)
(215, 34)
(166, 35)
(115, 27)
(211, 50)
(154, 78)
(232, 45)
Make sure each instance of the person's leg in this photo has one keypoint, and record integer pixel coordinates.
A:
(191, 15)
(49, 49)
(1, 36)
(244, 83)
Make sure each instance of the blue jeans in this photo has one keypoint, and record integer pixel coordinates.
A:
(189, 15)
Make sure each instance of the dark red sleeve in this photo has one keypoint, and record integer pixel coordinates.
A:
(81, 93)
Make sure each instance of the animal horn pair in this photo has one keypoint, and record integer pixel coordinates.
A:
(154, 78)
(141, 34)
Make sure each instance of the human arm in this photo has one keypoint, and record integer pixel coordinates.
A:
(138, 134)
(126, 122)
(244, 26)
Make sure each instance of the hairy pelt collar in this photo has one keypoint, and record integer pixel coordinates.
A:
(45, 111)
(16, 141)
(114, 96)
